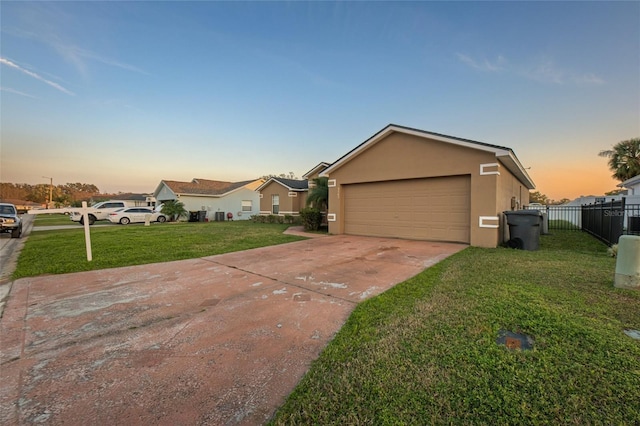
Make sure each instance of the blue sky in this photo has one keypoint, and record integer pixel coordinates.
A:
(125, 94)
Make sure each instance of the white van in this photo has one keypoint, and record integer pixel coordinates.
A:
(100, 211)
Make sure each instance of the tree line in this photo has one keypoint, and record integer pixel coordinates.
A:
(62, 195)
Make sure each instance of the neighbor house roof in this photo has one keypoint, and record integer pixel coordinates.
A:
(630, 182)
(204, 187)
(127, 196)
(290, 184)
(317, 169)
(504, 154)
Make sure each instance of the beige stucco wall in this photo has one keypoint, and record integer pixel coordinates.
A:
(403, 156)
(288, 204)
(512, 195)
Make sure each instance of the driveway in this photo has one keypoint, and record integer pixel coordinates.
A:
(220, 340)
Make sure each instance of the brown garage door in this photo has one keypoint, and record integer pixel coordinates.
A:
(435, 209)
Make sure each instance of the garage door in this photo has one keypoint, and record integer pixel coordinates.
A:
(436, 209)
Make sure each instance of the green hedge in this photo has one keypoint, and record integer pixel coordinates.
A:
(311, 219)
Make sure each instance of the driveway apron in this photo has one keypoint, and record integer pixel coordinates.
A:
(218, 340)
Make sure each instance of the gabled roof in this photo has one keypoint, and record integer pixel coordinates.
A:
(203, 187)
(504, 154)
(317, 169)
(290, 184)
(127, 196)
(630, 182)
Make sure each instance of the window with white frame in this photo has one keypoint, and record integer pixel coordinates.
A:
(275, 204)
(247, 205)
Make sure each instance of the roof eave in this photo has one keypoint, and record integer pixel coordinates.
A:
(512, 163)
(632, 181)
(408, 131)
(323, 165)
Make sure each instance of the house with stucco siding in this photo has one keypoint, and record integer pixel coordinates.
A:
(237, 199)
(410, 183)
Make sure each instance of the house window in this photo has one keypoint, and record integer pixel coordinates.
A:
(275, 204)
(247, 205)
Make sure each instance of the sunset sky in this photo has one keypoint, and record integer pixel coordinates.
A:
(125, 94)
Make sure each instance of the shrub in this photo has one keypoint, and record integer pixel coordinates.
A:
(311, 219)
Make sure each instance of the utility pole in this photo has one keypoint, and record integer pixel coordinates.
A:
(50, 191)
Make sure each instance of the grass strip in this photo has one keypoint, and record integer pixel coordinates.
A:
(425, 351)
(63, 251)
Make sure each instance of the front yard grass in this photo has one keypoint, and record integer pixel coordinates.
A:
(53, 219)
(425, 352)
(63, 251)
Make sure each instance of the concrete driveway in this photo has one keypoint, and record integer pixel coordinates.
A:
(217, 340)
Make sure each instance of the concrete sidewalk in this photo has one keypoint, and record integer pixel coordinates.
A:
(218, 340)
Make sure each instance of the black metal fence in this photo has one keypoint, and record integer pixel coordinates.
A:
(606, 221)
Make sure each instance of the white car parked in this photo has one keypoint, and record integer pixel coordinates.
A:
(136, 214)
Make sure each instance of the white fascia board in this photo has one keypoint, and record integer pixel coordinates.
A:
(512, 163)
(629, 182)
(281, 184)
(258, 189)
(321, 165)
(424, 135)
(160, 187)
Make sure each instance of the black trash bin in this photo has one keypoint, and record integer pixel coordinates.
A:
(219, 217)
(202, 215)
(193, 216)
(524, 229)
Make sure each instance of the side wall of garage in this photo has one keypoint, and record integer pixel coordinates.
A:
(512, 195)
(436, 172)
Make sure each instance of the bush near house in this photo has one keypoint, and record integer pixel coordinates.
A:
(274, 218)
(311, 218)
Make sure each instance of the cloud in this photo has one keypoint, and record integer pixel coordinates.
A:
(589, 79)
(546, 71)
(16, 92)
(72, 53)
(484, 65)
(8, 63)
(543, 71)
(77, 56)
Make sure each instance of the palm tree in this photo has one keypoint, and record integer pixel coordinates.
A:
(319, 194)
(174, 209)
(624, 159)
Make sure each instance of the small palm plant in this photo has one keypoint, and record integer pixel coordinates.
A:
(174, 210)
(319, 194)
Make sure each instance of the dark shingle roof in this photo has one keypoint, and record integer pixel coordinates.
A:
(295, 184)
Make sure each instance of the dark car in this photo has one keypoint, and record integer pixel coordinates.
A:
(9, 220)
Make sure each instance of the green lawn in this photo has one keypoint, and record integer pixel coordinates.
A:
(62, 251)
(425, 352)
(55, 219)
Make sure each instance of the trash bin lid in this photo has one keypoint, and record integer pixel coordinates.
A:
(524, 213)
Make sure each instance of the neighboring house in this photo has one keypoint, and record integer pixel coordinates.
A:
(410, 183)
(217, 198)
(24, 206)
(137, 200)
(632, 185)
(315, 172)
(279, 196)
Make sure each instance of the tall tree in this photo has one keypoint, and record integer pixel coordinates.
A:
(319, 193)
(624, 159)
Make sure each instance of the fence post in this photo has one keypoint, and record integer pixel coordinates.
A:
(87, 234)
